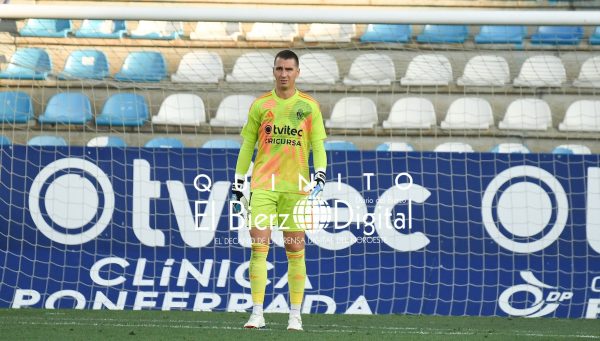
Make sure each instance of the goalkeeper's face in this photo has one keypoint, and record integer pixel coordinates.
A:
(285, 72)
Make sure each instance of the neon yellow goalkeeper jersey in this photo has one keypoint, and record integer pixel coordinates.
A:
(285, 130)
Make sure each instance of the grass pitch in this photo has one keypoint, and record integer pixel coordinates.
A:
(38, 324)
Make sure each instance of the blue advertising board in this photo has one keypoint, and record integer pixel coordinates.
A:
(410, 233)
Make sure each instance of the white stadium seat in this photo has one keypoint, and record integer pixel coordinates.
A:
(233, 111)
(273, 32)
(318, 68)
(181, 109)
(527, 114)
(485, 71)
(411, 113)
(469, 113)
(217, 31)
(428, 70)
(541, 71)
(454, 147)
(583, 115)
(589, 75)
(339, 33)
(371, 69)
(510, 148)
(199, 67)
(353, 113)
(252, 67)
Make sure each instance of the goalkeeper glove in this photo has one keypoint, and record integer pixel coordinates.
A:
(316, 186)
(237, 195)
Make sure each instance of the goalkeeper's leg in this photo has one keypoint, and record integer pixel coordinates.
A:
(294, 246)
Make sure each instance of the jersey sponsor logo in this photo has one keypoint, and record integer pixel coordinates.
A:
(283, 130)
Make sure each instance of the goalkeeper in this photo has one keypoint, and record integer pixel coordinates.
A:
(285, 123)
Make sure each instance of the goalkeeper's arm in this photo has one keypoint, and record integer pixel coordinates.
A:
(241, 168)
(320, 165)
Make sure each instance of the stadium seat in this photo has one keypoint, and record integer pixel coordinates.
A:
(124, 109)
(106, 141)
(85, 64)
(411, 113)
(395, 147)
(493, 34)
(572, 149)
(557, 35)
(273, 32)
(199, 67)
(337, 33)
(371, 69)
(252, 67)
(233, 111)
(217, 31)
(166, 30)
(469, 113)
(589, 75)
(58, 28)
(28, 63)
(582, 115)
(386, 33)
(15, 107)
(4, 140)
(454, 147)
(225, 144)
(67, 108)
(428, 70)
(353, 113)
(485, 71)
(318, 68)
(46, 140)
(164, 142)
(143, 66)
(443, 34)
(337, 145)
(595, 37)
(527, 114)
(181, 109)
(541, 71)
(510, 148)
(90, 28)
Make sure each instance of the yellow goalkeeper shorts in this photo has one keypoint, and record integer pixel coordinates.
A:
(269, 209)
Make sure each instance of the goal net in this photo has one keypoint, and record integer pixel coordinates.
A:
(463, 170)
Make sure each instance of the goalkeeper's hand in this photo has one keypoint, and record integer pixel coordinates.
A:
(238, 196)
(316, 186)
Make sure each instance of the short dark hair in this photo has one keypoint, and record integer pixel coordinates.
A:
(287, 54)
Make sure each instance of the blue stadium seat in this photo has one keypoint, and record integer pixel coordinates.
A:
(493, 34)
(106, 141)
(86, 64)
(15, 107)
(149, 29)
(4, 140)
(386, 33)
(164, 142)
(443, 34)
(595, 37)
(227, 144)
(572, 149)
(510, 148)
(557, 35)
(67, 108)
(115, 29)
(46, 28)
(28, 63)
(45, 140)
(340, 145)
(124, 109)
(143, 66)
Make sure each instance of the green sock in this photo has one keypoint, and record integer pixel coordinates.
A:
(258, 272)
(296, 276)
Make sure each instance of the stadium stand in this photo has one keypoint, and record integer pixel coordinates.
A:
(85, 64)
(57, 28)
(199, 67)
(411, 113)
(273, 32)
(124, 109)
(15, 107)
(164, 142)
(485, 71)
(107, 141)
(47, 140)
(386, 33)
(167, 30)
(318, 68)
(395, 147)
(469, 113)
(572, 149)
(217, 31)
(493, 34)
(181, 109)
(589, 75)
(527, 114)
(233, 111)
(443, 34)
(428, 70)
(509, 148)
(353, 113)
(252, 67)
(143, 66)
(337, 33)
(28, 63)
(582, 115)
(222, 144)
(541, 71)
(557, 35)
(105, 29)
(67, 108)
(371, 69)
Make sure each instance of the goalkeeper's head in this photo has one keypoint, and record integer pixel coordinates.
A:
(285, 70)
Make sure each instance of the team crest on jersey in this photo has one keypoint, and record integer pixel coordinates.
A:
(300, 114)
